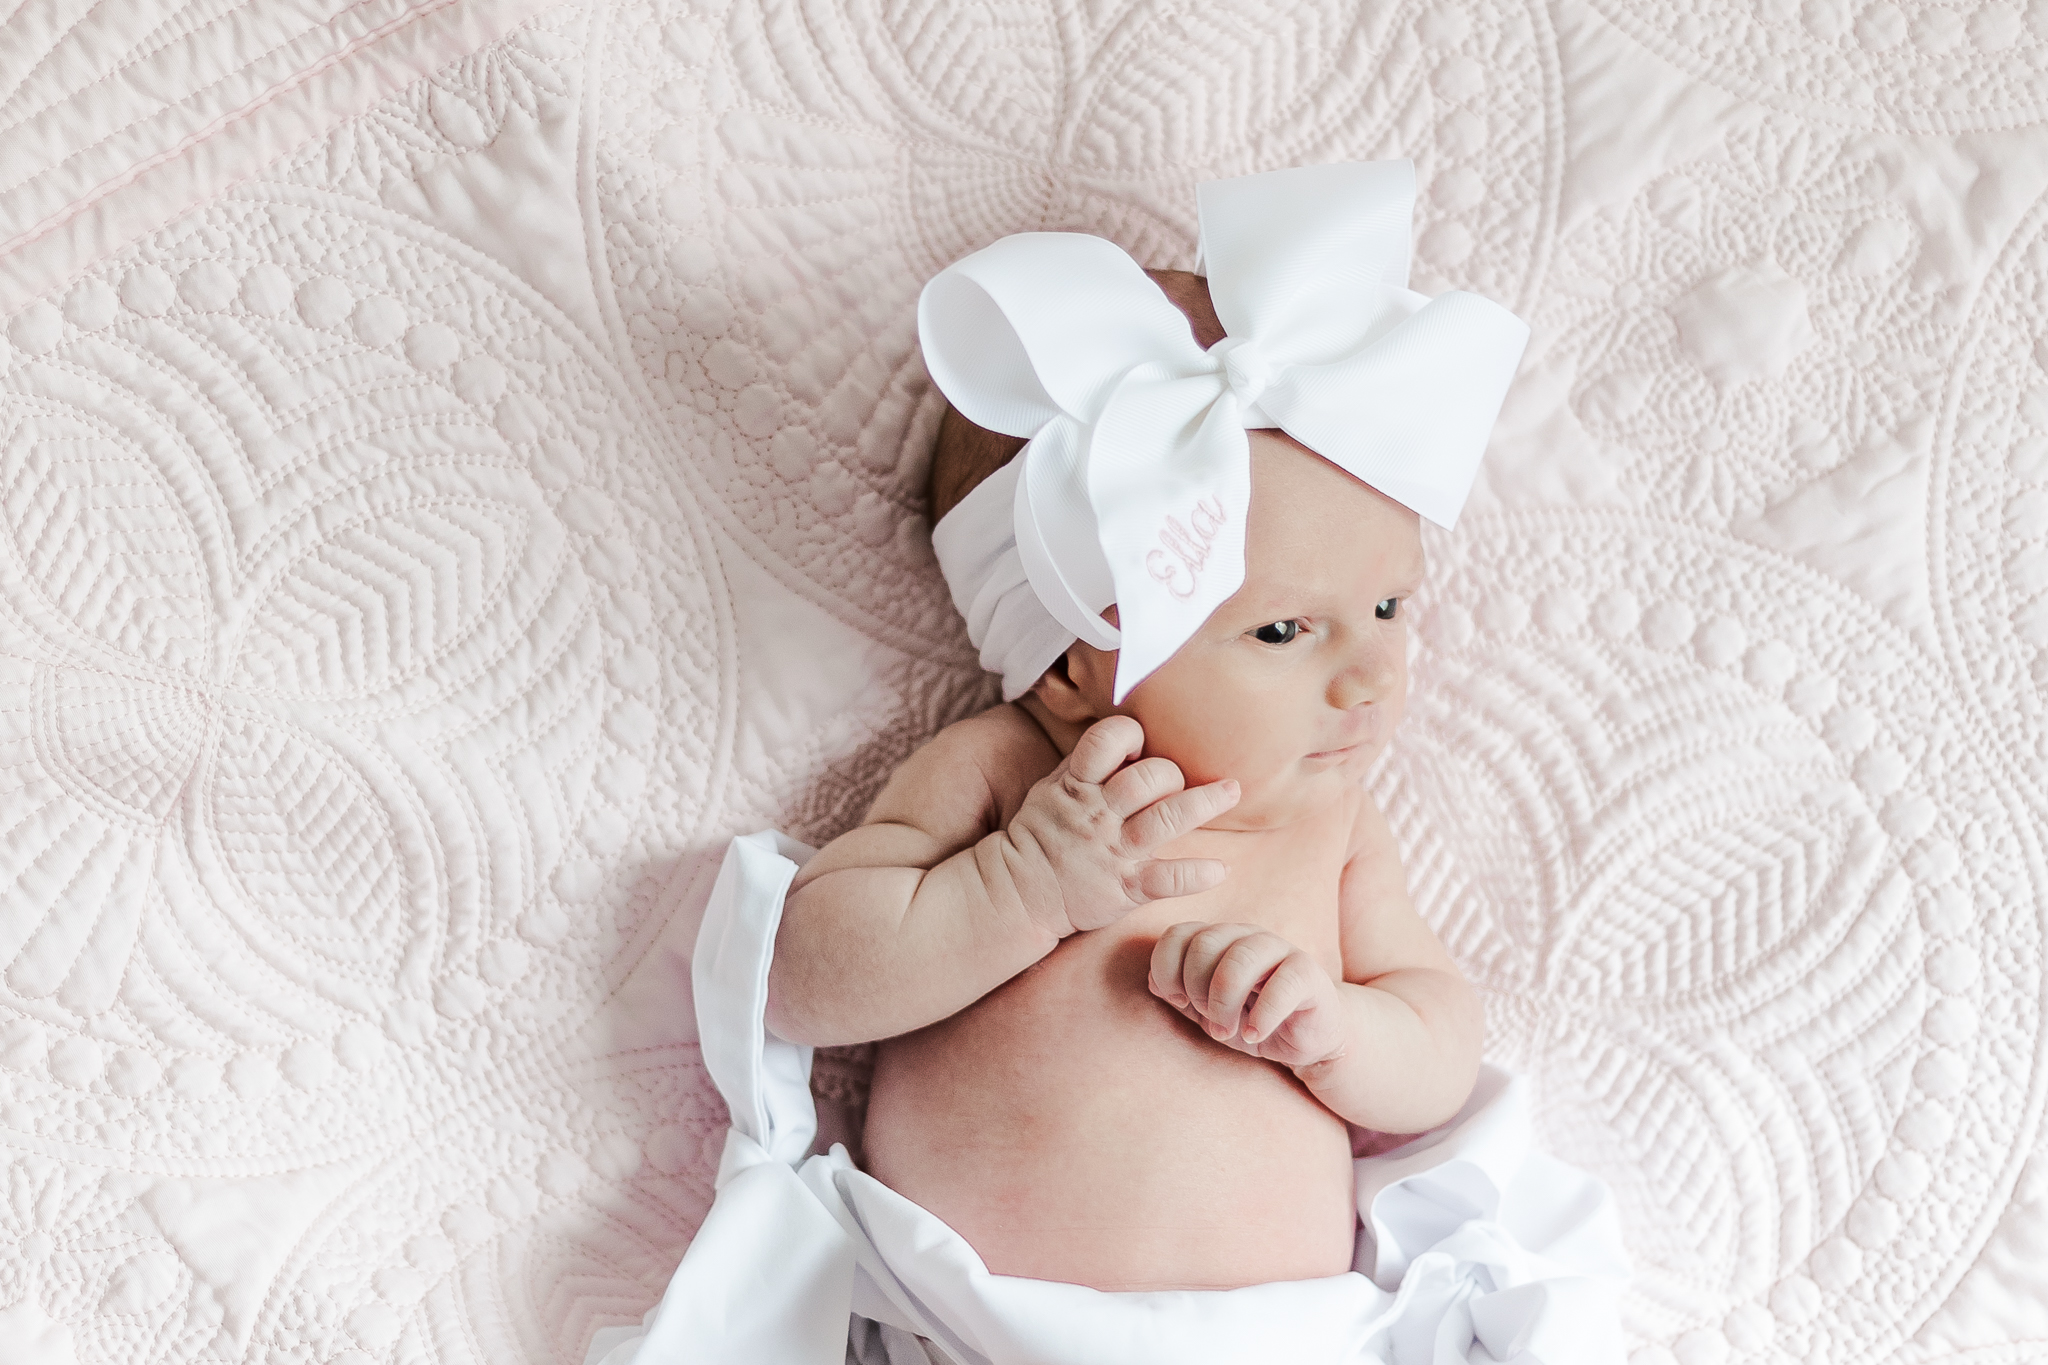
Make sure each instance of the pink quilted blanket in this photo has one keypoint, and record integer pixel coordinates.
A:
(458, 466)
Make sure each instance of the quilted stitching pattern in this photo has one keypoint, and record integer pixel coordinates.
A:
(116, 118)
(420, 559)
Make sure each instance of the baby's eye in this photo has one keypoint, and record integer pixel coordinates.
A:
(1387, 609)
(1277, 632)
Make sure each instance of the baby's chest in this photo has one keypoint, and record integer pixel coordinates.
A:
(1291, 887)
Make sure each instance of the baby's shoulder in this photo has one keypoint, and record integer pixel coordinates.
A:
(988, 761)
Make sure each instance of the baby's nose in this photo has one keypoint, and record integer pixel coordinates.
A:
(1368, 678)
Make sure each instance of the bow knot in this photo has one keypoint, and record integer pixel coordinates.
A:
(1246, 372)
(1060, 337)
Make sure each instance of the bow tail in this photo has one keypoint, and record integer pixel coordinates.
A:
(1169, 477)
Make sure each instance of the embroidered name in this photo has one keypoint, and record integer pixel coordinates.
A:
(1184, 549)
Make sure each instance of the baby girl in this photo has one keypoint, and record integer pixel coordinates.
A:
(1137, 944)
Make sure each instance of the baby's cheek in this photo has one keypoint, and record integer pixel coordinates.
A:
(1255, 758)
(1394, 704)
(1216, 728)
(1206, 747)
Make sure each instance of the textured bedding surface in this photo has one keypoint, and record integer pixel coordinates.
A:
(114, 118)
(420, 551)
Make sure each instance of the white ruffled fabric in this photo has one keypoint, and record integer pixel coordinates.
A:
(1475, 1249)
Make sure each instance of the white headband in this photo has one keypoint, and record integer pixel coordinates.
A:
(1136, 482)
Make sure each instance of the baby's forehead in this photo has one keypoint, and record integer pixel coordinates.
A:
(1315, 524)
(1282, 468)
(1334, 562)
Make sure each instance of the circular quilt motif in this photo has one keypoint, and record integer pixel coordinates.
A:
(1749, 901)
(343, 636)
(1990, 515)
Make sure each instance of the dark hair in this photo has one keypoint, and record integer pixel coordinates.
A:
(966, 454)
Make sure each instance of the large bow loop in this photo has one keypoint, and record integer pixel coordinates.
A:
(1303, 258)
(1409, 410)
(1041, 323)
(1135, 486)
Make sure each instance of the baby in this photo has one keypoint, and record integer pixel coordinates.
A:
(1137, 944)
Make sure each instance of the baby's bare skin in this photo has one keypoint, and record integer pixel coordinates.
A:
(1111, 1142)
(1136, 966)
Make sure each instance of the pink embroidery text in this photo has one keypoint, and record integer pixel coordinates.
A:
(1184, 549)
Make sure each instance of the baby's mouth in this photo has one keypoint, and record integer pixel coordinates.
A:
(1351, 745)
(1344, 752)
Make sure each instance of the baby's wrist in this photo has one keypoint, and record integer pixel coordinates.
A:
(1012, 891)
(1321, 1074)
(1052, 932)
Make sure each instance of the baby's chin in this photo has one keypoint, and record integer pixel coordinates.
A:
(1303, 789)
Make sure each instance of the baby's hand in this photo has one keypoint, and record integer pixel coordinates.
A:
(1085, 834)
(1250, 990)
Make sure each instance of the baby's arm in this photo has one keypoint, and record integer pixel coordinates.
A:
(965, 873)
(1393, 1047)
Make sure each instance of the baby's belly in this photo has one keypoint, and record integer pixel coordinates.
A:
(1072, 1127)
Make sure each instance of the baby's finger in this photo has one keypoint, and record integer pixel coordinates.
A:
(1104, 747)
(1242, 969)
(1159, 878)
(1290, 986)
(1199, 960)
(1170, 817)
(1164, 975)
(1142, 783)
(1194, 1016)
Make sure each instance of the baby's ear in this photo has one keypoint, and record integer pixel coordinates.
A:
(1064, 688)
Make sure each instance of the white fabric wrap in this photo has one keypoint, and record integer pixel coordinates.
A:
(1475, 1249)
(1136, 482)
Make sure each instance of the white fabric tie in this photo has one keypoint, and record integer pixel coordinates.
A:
(1136, 482)
(1245, 371)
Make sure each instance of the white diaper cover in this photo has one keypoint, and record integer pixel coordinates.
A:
(1474, 1248)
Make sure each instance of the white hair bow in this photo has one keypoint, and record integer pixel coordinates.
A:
(1136, 482)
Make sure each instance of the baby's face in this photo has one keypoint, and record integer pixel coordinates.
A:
(1294, 685)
